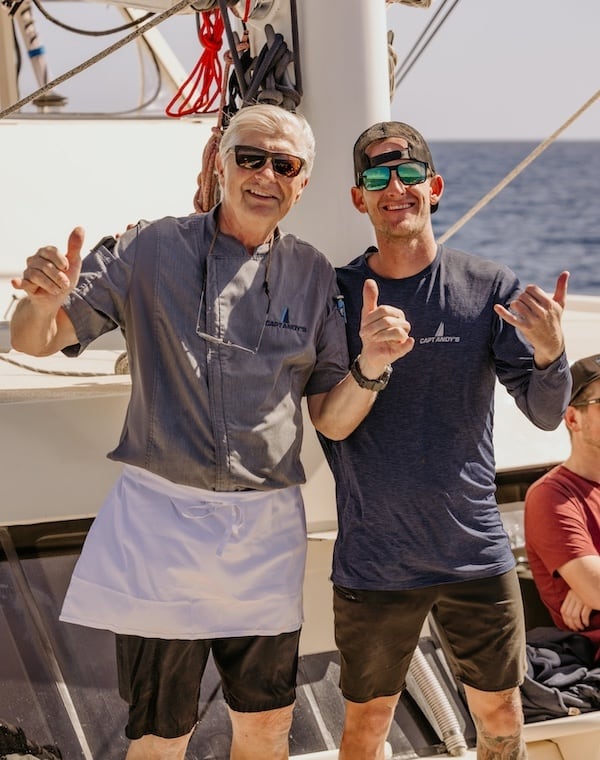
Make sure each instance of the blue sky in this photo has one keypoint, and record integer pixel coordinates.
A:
(498, 69)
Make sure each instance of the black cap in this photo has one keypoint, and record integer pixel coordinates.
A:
(584, 372)
(417, 146)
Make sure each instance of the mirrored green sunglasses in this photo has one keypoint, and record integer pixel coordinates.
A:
(409, 173)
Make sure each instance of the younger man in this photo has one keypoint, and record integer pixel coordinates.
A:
(419, 528)
(562, 515)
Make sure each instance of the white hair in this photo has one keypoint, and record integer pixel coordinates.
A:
(272, 120)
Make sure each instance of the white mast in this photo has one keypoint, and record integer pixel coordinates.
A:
(345, 89)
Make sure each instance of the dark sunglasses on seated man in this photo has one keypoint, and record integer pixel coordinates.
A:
(409, 173)
(248, 157)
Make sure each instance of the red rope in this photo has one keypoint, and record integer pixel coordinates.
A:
(203, 86)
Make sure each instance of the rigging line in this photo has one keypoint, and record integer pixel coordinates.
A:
(237, 64)
(517, 170)
(296, 47)
(98, 57)
(58, 373)
(423, 33)
(88, 32)
(401, 76)
(40, 627)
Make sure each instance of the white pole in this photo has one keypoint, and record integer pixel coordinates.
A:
(346, 89)
(345, 78)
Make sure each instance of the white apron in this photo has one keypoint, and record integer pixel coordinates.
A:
(163, 560)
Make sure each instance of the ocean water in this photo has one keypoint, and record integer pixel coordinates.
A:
(546, 220)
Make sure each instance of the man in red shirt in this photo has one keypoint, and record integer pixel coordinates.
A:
(562, 515)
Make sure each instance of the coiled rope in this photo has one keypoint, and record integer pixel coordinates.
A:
(207, 193)
(264, 79)
(206, 72)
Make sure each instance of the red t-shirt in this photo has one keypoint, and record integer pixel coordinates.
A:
(562, 522)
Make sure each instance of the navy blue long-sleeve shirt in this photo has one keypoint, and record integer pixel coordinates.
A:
(415, 482)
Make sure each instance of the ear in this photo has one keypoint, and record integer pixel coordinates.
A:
(358, 200)
(436, 188)
(301, 189)
(219, 167)
(572, 418)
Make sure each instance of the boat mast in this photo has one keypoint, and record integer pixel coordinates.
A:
(344, 59)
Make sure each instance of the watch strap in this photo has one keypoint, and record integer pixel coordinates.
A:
(371, 384)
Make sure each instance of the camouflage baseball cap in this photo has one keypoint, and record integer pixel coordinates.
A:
(584, 372)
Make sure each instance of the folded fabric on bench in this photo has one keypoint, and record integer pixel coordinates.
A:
(562, 678)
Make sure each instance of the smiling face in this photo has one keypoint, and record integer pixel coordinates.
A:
(398, 211)
(255, 200)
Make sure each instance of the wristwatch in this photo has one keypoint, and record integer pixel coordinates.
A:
(377, 384)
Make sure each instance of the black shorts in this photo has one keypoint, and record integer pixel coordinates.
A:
(481, 623)
(160, 679)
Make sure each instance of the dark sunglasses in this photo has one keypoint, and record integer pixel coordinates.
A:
(409, 173)
(285, 164)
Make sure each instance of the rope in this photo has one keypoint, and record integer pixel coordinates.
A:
(265, 79)
(60, 373)
(517, 170)
(232, 45)
(94, 59)
(404, 67)
(246, 14)
(392, 62)
(268, 70)
(89, 32)
(206, 195)
(206, 72)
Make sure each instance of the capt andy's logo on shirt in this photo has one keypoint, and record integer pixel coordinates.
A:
(440, 337)
(283, 323)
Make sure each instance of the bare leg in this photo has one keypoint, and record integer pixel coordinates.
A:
(261, 735)
(498, 717)
(366, 727)
(151, 747)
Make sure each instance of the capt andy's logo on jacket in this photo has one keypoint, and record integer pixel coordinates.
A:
(440, 337)
(283, 323)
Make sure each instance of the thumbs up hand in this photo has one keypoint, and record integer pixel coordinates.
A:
(384, 332)
(51, 275)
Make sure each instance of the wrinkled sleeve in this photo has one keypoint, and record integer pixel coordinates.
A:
(332, 361)
(97, 304)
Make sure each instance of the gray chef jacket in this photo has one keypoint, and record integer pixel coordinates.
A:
(205, 413)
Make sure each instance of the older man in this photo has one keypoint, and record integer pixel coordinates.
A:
(201, 545)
